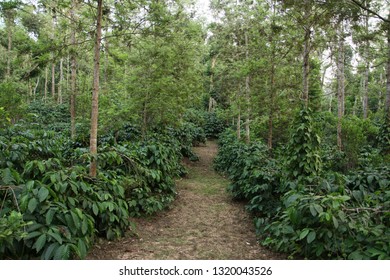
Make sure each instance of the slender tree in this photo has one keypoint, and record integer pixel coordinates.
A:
(386, 27)
(8, 9)
(73, 78)
(247, 94)
(95, 91)
(340, 84)
(306, 52)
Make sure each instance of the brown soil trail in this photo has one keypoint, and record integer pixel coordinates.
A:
(203, 223)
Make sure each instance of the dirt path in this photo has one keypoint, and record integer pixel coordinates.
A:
(203, 223)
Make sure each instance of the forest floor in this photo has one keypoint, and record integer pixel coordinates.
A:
(203, 223)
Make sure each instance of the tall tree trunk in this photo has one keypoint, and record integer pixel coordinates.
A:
(53, 65)
(306, 67)
(354, 107)
(247, 95)
(272, 105)
(366, 72)
(73, 75)
(145, 117)
(35, 88)
(306, 56)
(46, 81)
(212, 101)
(9, 18)
(341, 87)
(365, 91)
(53, 80)
(30, 91)
(380, 93)
(67, 72)
(60, 82)
(106, 48)
(272, 85)
(213, 62)
(95, 92)
(239, 123)
(387, 104)
(239, 112)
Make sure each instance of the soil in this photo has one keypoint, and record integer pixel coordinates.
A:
(203, 223)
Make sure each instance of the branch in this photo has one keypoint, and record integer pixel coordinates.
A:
(360, 5)
(357, 210)
(12, 188)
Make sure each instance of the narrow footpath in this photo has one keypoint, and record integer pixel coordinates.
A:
(203, 223)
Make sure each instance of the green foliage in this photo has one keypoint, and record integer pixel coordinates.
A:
(356, 134)
(345, 221)
(358, 138)
(10, 101)
(383, 137)
(12, 229)
(189, 135)
(71, 208)
(304, 161)
(305, 209)
(214, 125)
(4, 118)
(158, 164)
(53, 117)
(63, 207)
(229, 150)
(254, 176)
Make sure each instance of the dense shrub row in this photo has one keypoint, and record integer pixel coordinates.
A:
(304, 208)
(52, 209)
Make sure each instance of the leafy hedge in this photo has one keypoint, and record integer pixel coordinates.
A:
(53, 210)
(301, 207)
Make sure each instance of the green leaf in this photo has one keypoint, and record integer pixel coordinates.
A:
(48, 253)
(40, 243)
(29, 185)
(95, 209)
(356, 255)
(291, 199)
(32, 235)
(82, 249)
(370, 178)
(304, 233)
(43, 194)
(34, 227)
(69, 221)
(311, 236)
(32, 204)
(8, 179)
(41, 166)
(335, 222)
(76, 219)
(374, 252)
(53, 178)
(56, 236)
(313, 210)
(72, 201)
(62, 253)
(110, 234)
(318, 208)
(342, 216)
(84, 226)
(50, 216)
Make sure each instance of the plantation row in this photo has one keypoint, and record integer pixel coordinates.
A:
(305, 201)
(52, 209)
